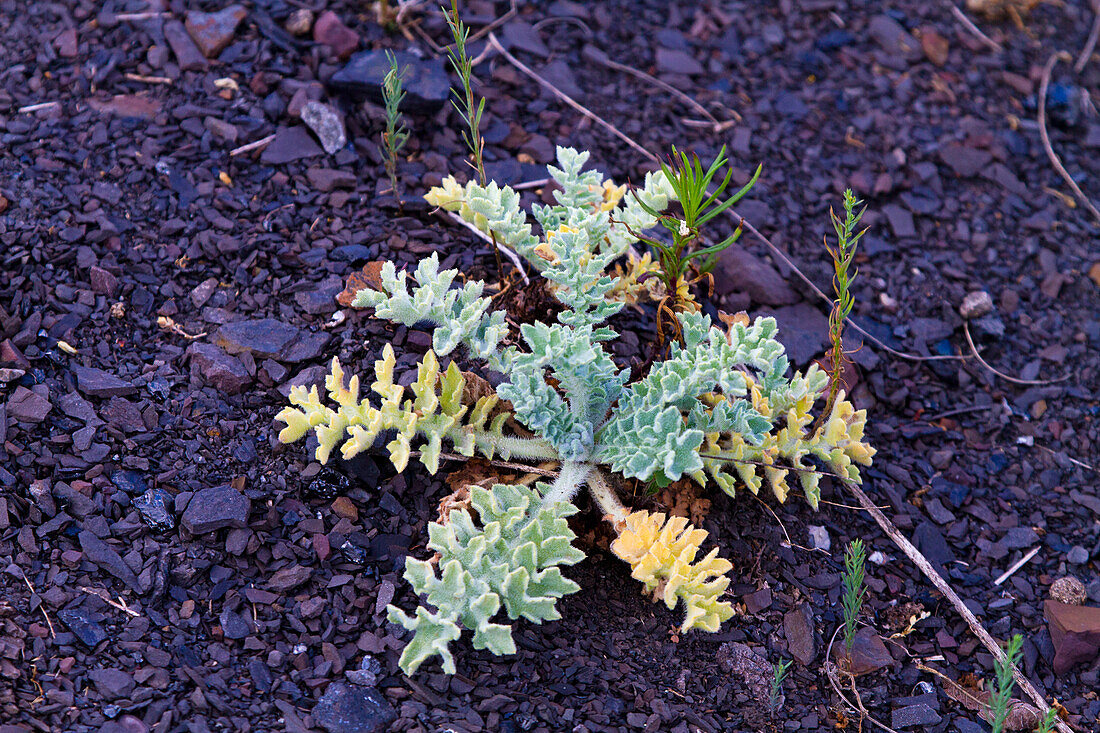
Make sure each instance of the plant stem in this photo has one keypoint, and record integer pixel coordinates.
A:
(605, 497)
(572, 475)
(530, 448)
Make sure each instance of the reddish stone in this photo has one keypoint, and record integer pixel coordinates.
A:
(1075, 631)
(212, 32)
(103, 281)
(66, 43)
(332, 32)
(127, 105)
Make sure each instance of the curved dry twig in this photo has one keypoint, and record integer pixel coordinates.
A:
(968, 24)
(1002, 375)
(1090, 44)
(834, 672)
(1054, 159)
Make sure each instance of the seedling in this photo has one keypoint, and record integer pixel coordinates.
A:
(1046, 725)
(395, 135)
(775, 693)
(721, 408)
(691, 186)
(843, 274)
(854, 592)
(469, 108)
(1000, 698)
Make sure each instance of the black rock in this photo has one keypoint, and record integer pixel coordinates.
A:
(271, 339)
(328, 484)
(426, 83)
(914, 715)
(930, 542)
(155, 507)
(216, 508)
(112, 683)
(89, 632)
(351, 709)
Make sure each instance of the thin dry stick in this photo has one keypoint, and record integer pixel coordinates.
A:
(1090, 44)
(35, 107)
(42, 608)
(1002, 375)
(969, 25)
(1055, 161)
(566, 98)
(941, 585)
(717, 125)
(262, 142)
(1016, 566)
(521, 467)
(507, 252)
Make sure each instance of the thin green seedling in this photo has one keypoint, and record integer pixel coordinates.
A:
(843, 275)
(395, 134)
(468, 106)
(854, 592)
(692, 186)
(1050, 719)
(779, 674)
(1000, 698)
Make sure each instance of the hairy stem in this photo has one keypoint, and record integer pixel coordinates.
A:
(530, 448)
(604, 495)
(572, 475)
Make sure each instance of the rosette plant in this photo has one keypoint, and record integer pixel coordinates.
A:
(720, 410)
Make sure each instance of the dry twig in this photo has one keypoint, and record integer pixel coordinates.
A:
(42, 608)
(968, 24)
(1090, 44)
(1016, 566)
(1054, 159)
(102, 595)
(834, 672)
(261, 143)
(507, 252)
(1002, 375)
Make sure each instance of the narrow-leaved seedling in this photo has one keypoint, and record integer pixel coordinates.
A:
(395, 135)
(1046, 725)
(1000, 698)
(843, 274)
(690, 185)
(775, 693)
(854, 592)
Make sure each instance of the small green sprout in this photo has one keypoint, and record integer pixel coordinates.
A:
(1046, 725)
(692, 184)
(395, 135)
(854, 591)
(842, 255)
(999, 700)
(469, 108)
(779, 673)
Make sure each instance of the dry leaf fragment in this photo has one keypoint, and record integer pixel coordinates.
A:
(369, 277)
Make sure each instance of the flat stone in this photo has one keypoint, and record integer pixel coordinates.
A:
(1075, 631)
(740, 271)
(132, 482)
(900, 220)
(326, 125)
(964, 160)
(758, 601)
(898, 43)
(112, 683)
(268, 338)
(98, 383)
(331, 31)
(290, 144)
(929, 540)
(289, 578)
(216, 507)
(188, 55)
(914, 715)
(869, 653)
(329, 179)
(234, 626)
(105, 556)
(519, 35)
(673, 61)
(348, 708)
(213, 32)
(28, 406)
(218, 369)
(798, 627)
(425, 81)
(804, 330)
(103, 281)
(123, 414)
(88, 632)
